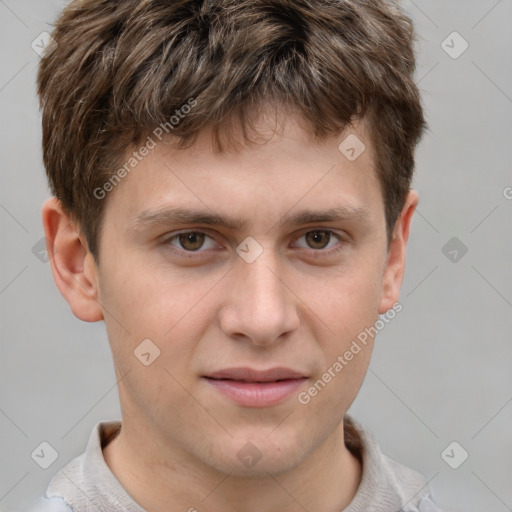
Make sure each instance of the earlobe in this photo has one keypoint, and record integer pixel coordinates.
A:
(395, 264)
(73, 266)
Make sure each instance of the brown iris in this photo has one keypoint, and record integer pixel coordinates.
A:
(191, 241)
(318, 239)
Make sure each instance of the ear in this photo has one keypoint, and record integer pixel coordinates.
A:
(395, 265)
(73, 266)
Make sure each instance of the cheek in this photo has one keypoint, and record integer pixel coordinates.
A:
(170, 312)
(151, 300)
(170, 309)
(349, 308)
(347, 302)
(337, 385)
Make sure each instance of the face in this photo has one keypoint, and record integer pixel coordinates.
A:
(273, 257)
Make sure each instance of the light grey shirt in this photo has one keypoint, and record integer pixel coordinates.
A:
(86, 484)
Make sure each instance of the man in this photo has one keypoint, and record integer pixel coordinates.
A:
(232, 198)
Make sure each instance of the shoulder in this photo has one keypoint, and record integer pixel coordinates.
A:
(43, 504)
(386, 485)
(85, 477)
(410, 487)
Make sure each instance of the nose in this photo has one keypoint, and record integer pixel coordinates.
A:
(259, 305)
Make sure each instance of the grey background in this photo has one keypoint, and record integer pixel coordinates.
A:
(441, 371)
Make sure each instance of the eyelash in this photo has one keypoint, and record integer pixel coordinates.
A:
(314, 253)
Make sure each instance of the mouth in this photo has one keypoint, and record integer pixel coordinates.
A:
(255, 388)
(245, 374)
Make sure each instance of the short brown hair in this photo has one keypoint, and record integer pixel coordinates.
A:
(120, 69)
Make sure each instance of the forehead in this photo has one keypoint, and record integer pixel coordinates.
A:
(282, 175)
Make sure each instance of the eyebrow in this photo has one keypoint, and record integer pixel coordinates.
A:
(164, 216)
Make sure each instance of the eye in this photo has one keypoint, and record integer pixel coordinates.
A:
(318, 240)
(191, 241)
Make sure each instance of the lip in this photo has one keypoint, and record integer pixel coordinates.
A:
(256, 388)
(251, 375)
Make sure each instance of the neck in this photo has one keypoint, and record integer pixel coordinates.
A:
(160, 480)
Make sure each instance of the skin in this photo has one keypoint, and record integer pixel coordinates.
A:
(297, 306)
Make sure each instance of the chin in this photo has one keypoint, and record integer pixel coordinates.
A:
(255, 456)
